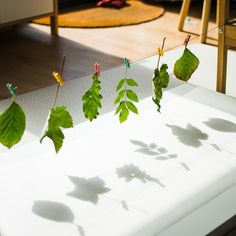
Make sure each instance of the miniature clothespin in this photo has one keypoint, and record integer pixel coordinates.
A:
(11, 89)
(187, 40)
(126, 62)
(97, 69)
(58, 78)
(160, 52)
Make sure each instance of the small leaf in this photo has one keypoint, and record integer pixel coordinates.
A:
(132, 95)
(12, 125)
(59, 118)
(124, 114)
(131, 82)
(120, 85)
(132, 107)
(92, 99)
(119, 96)
(122, 104)
(160, 81)
(186, 65)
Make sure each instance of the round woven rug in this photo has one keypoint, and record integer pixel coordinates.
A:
(90, 16)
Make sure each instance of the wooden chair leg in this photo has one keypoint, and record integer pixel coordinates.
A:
(183, 13)
(223, 17)
(206, 10)
(221, 62)
(54, 19)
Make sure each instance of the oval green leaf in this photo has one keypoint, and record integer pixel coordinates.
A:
(12, 125)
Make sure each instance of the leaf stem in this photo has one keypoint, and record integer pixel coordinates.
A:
(58, 85)
(162, 47)
(126, 69)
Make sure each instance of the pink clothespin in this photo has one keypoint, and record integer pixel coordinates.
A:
(97, 69)
(187, 40)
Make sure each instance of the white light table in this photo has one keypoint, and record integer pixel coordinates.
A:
(164, 174)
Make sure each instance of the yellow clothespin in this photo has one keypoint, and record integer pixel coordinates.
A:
(58, 78)
(160, 52)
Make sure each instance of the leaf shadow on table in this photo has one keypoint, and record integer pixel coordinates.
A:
(130, 172)
(88, 189)
(221, 125)
(159, 153)
(56, 211)
(190, 136)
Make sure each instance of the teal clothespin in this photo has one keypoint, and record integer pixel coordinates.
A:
(11, 89)
(126, 62)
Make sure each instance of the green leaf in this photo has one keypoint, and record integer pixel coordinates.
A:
(120, 85)
(132, 95)
(186, 65)
(160, 81)
(92, 99)
(132, 82)
(12, 125)
(122, 104)
(132, 107)
(59, 118)
(124, 114)
(119, 96)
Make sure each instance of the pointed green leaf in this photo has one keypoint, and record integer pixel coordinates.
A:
(186, 65)
(119, 96)
(132, 82)
(132, 95)
(12, 125)
(124, 114)
(132, 107)
(59, 118)
(120, 85)
(122, 104)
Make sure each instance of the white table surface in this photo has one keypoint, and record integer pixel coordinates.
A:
(164, 174)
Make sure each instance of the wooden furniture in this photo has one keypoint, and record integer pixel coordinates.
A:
(205, 17)
(226, 39)
(13, 12)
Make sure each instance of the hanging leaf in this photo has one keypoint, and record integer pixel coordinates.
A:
(160, 81)
(12, 125)
(186, 65)
(92, 99)
(132, 82)
(59, 118)
(125, 94)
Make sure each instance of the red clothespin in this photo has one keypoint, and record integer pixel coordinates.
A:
(97, 69)
(187, 40)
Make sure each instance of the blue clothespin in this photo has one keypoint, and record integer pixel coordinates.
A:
(126, 62)
(11, 89)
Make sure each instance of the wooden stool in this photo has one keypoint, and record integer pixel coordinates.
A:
(205, 17)
(226, 39)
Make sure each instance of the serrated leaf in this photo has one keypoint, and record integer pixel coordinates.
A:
(59, 118)
(124, 113)
(12, 125)
(120, 85)
(132, 95)
(160, 81)
(132, 107)
(186, 65)
(132, 82)
(92, 99)
(119, 96)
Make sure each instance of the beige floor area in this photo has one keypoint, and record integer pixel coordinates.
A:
(29, 53)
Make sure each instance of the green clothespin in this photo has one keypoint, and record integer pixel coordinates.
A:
(11, 89)
(126, 62)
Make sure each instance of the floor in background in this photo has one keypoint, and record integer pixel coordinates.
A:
(29, 53)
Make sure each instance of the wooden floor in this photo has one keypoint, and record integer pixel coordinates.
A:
(28, 53)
